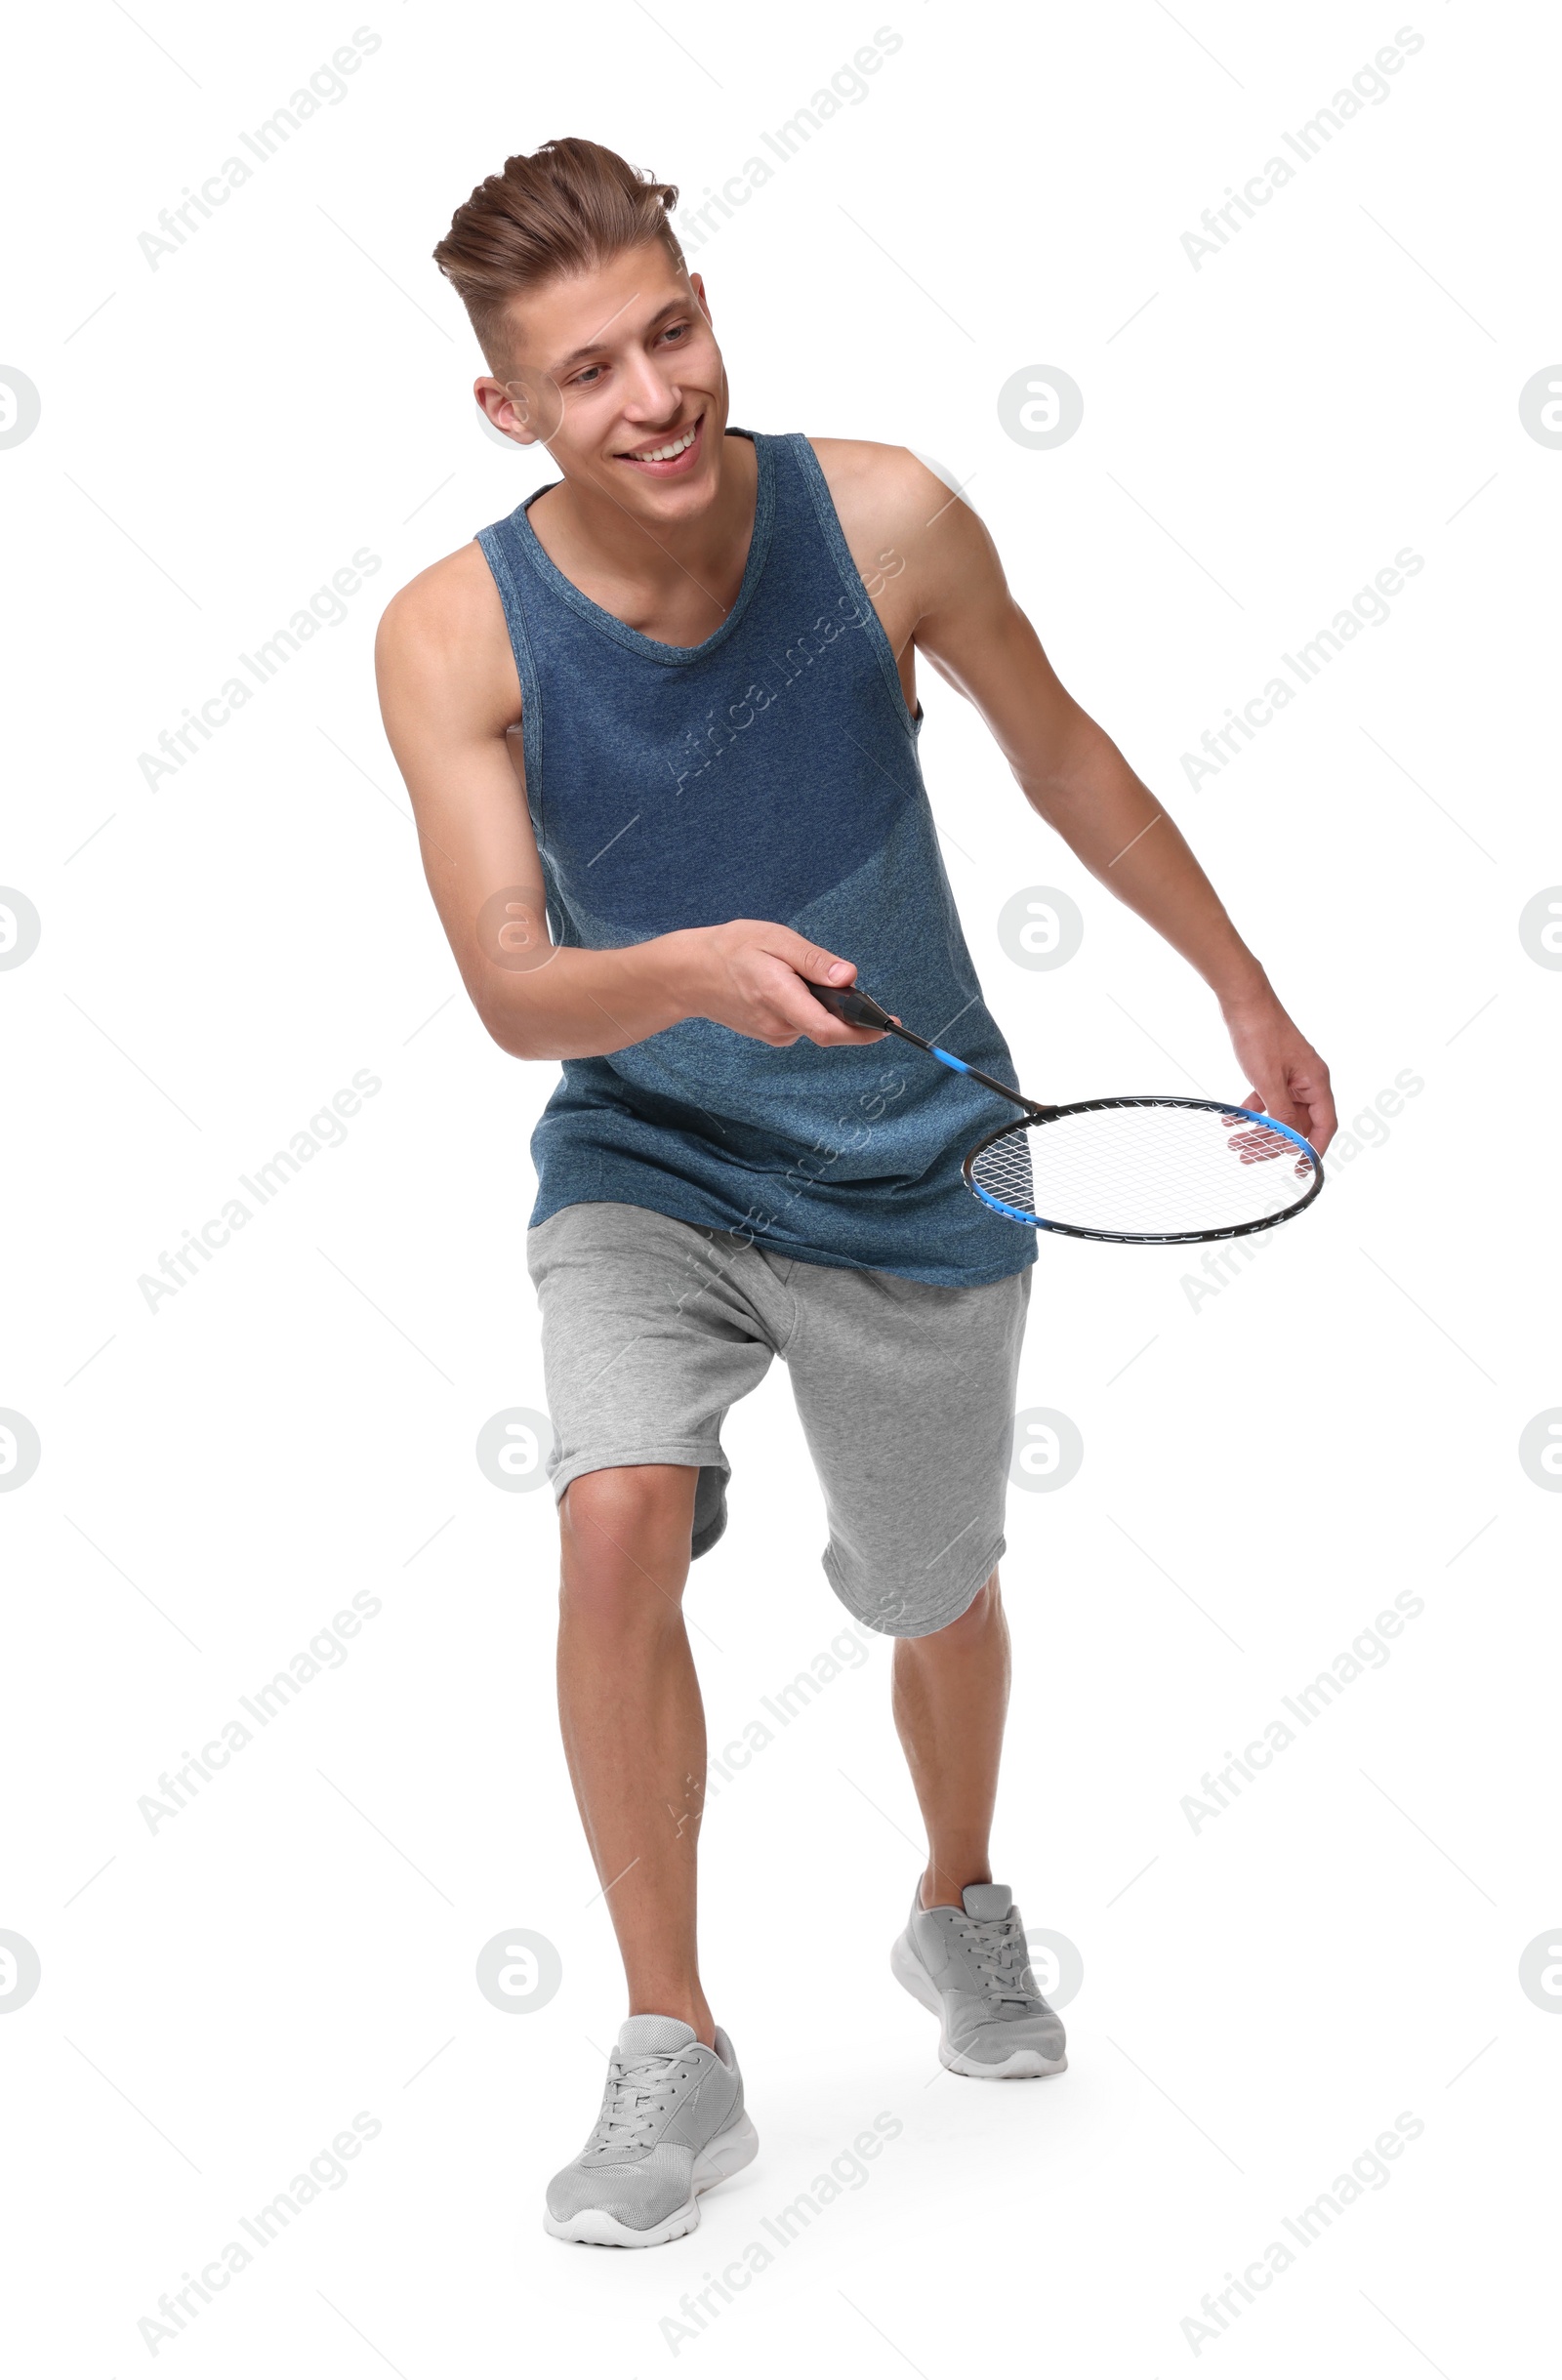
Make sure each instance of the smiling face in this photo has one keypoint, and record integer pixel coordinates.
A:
(618, 372)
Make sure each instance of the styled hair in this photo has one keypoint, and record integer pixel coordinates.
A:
(562, 211)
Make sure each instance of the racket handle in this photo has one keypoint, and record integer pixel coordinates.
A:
(855, 1006)
(852, 1006)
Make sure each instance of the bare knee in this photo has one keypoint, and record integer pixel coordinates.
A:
(983, 1612)
(625, 1535)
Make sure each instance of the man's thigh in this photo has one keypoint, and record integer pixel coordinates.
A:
(650, 1331)
(906, 1395)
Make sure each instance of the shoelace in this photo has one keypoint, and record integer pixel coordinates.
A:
(1000, 1955)
(637, 2095)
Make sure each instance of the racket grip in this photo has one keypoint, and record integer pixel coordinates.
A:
(851, 1005)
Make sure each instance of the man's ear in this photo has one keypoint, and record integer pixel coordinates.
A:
(525, 408)
(493, 401)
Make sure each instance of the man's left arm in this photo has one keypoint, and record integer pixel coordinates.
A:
(1073, 775)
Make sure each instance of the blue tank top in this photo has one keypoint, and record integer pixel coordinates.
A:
(770, 772)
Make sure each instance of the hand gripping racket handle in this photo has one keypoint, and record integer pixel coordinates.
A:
(855, 1006)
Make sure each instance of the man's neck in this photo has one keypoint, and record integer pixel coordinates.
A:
(674, 581)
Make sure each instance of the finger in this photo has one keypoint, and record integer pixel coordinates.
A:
(809, 959)
(1325, 1122)
(793, 1002)
(1311, 1110)
(791, 995)
(832, 1034)
(1282, 1106)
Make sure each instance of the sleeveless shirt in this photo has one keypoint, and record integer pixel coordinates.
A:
(769, 772)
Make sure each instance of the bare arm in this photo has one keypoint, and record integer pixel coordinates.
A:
(964, 619)
(449, 697)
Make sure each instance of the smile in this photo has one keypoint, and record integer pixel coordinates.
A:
(676, 454)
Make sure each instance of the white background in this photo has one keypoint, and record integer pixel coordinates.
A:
(1264, 1468)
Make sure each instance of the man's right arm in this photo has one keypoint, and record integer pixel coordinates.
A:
(450, 698)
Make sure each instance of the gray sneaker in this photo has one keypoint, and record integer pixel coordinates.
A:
(971, 1968)
(672, 2125)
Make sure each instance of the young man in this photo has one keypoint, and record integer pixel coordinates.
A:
(709, 639)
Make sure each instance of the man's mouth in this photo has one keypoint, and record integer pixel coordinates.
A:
(678, 453)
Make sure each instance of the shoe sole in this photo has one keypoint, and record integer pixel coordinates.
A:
(1020, 2065)
(724, 2154)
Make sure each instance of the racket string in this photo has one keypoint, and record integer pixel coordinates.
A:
(1150, 1168)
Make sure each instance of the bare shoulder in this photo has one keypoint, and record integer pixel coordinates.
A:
(447, 627)
(878, 488)
(920, 550)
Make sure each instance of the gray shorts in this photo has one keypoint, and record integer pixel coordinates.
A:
(653, 1328)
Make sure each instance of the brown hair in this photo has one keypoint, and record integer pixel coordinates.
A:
(568, 207)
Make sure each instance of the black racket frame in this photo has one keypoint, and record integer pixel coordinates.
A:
(854, 1006)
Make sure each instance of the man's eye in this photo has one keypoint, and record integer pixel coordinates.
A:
(677, 330)
(584, 380)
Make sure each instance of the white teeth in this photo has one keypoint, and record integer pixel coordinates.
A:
(665, 454)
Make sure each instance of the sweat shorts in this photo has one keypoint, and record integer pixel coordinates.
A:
(653, 1328)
